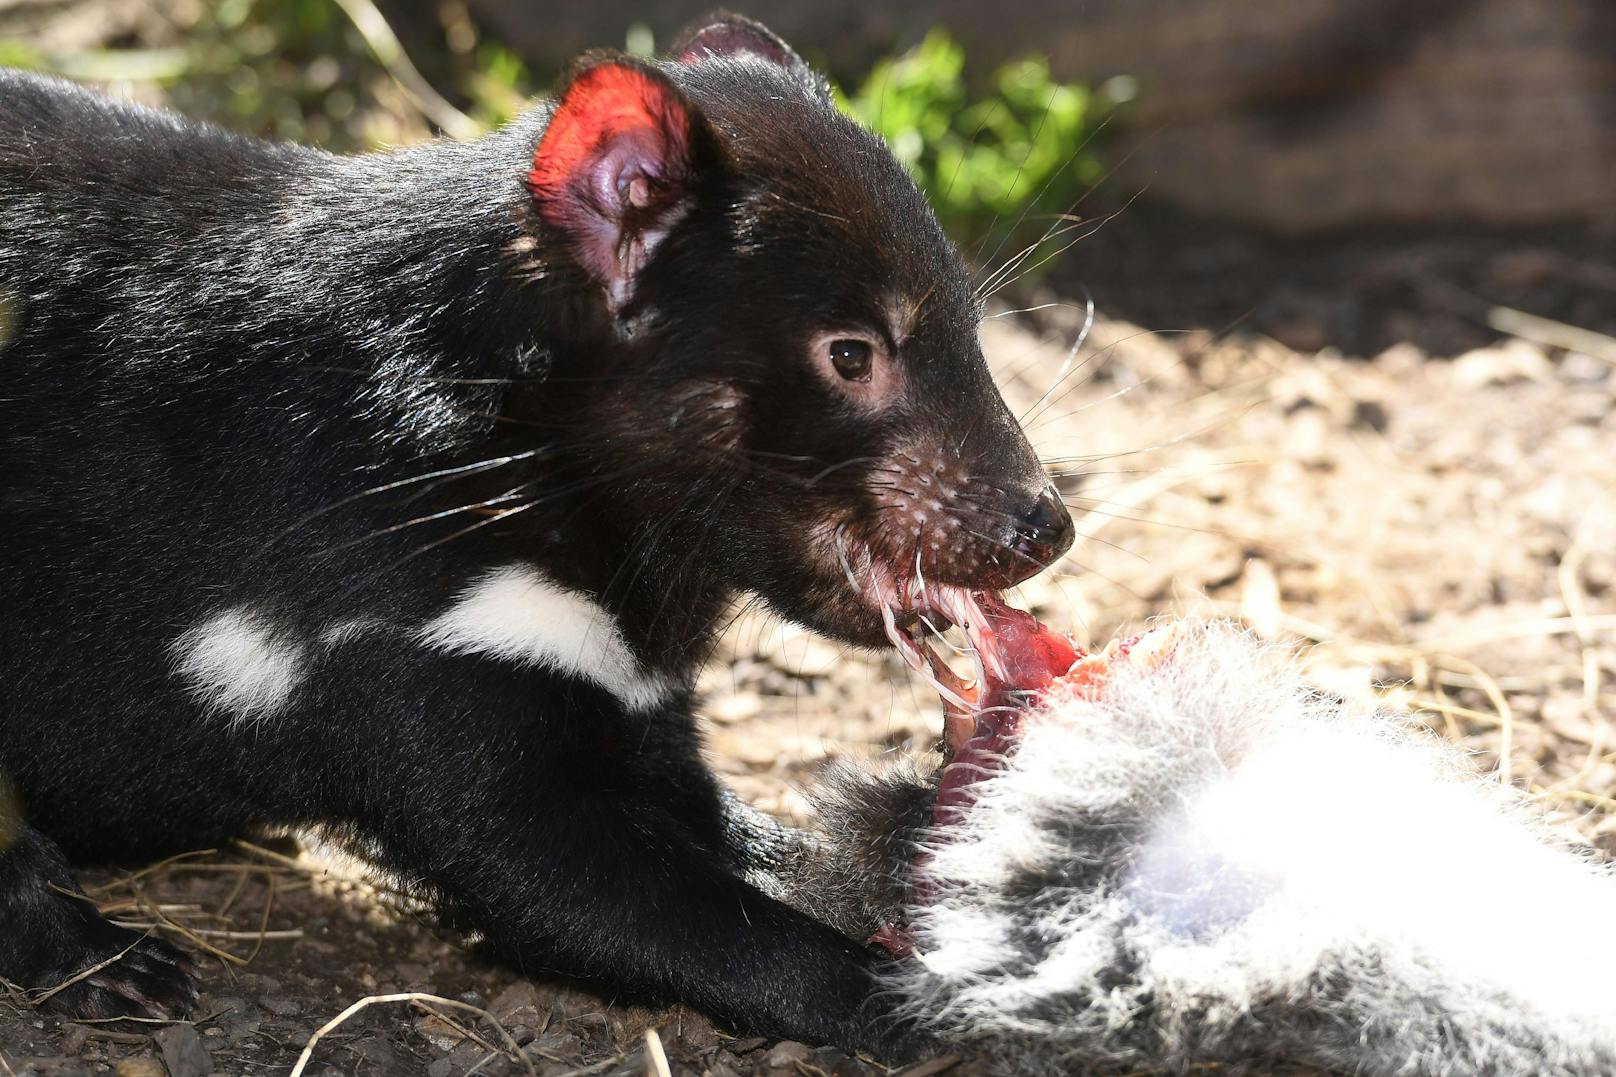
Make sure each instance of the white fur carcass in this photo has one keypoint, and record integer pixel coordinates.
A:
(1187, 856)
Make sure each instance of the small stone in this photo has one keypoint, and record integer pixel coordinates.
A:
(555, 1046)
(378, 1055)
(1510, 360)
(440, 1068)
(786, 1054)
(439, 1033)
(1400, 358)
(745, 1046)
(828, 1058)
(515, 998)
(467, 1055)
(696, 1033)
(140, 1066)
(74, 1037)
(1580, 367)
(237, 1017)
(1308, 438)
(281, 1006)
(183, 1052)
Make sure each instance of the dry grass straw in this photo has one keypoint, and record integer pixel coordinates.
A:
(656, 1059)
(421, 1001)
(1554, 334)
(127, 902)
(384, 45)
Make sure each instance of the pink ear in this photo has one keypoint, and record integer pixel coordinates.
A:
(731, 35)
(613, 168)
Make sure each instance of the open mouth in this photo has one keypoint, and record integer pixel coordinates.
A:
(1020, 667)
(1014, 658)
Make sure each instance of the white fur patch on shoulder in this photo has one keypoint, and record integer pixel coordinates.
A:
(517, 614)
(236, 662)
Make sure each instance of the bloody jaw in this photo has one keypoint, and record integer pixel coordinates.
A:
(1015, 656)
(1020, 663)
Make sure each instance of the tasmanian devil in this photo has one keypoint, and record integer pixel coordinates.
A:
(402, 496)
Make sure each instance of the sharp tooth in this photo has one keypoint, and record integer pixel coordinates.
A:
(906, 647)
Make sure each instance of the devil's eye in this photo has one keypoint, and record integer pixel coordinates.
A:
(851, 358)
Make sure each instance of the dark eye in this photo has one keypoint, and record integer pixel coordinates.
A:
(851, 358)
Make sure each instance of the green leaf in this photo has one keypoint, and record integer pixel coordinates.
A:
(1021, 147)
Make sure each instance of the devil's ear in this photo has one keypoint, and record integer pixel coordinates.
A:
(725, 34)
(616, 167)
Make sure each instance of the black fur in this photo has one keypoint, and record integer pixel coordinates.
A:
(852, 869)
(241, 376)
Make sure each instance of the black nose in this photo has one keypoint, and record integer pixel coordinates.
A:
(1043, 532)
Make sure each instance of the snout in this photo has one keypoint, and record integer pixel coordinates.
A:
(937, 520)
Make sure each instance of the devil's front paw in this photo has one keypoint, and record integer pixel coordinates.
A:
(133, 976)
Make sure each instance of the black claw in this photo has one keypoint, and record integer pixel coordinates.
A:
(153, 979)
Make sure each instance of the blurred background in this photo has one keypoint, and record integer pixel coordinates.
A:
(1309, 304)
(1274, 147)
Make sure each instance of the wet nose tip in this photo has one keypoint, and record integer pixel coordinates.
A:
(1048, 518)
(1044, 531)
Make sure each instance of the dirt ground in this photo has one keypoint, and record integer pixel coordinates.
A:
(1430, 519)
